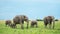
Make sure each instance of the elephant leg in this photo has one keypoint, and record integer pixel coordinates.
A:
(6, 25)
(53, 24)
(45, 25)
(32, 25)
(27, 24)
(22, 22)
(36, 25)
(22, 26)
(15, 26)
(50, 25)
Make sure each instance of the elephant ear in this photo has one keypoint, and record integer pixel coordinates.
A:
(26, 18)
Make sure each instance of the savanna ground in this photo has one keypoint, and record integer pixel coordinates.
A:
(39, 30)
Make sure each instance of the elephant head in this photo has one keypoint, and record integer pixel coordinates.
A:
(26, 19)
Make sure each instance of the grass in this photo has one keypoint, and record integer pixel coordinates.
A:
(39, 30)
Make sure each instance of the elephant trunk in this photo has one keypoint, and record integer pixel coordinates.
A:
(53, 21)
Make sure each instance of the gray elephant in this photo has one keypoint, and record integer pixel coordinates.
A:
(49, 20)
(8, 22)
(12, 25)
(33, 23)
(19, 19)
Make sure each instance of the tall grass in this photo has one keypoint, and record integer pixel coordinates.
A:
(39, 30)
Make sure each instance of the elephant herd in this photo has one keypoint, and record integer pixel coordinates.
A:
(19, 19)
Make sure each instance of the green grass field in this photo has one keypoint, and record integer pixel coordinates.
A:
(39, 30)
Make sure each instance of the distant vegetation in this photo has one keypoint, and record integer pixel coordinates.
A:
(39, 19)
(56, 20)
(42, 19)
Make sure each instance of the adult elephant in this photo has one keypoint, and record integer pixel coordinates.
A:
(49, 20)
(19, 19)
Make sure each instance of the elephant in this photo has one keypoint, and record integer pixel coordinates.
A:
(19, 19)
(33, 23)
(12, 25)
(49, 20)
(8, 22)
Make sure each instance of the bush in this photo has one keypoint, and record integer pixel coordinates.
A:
(56, 20)
(39, 19)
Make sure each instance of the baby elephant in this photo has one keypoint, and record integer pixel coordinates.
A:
(8, 22)
(12, 25)
(33, 23)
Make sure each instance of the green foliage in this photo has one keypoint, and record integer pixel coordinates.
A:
(39, 19)
(56, 20)
(39, 30)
